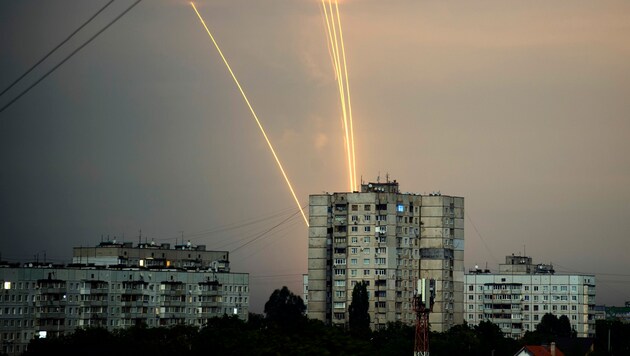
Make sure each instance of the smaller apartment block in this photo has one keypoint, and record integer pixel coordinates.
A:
(43, 300)
(519, 295)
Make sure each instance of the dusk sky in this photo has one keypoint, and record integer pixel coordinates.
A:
(520, 107)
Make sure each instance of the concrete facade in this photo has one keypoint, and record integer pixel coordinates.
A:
(389, 239)
(519, 295)
(38, 299)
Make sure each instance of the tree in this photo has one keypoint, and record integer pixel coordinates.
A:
(564, 327)
(285, 309)
(359, 318)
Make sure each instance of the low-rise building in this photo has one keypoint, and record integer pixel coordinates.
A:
(42, 299)
(519, 295)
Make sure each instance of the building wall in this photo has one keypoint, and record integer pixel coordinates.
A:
(58, 300)
(518, 302)
(151, 255)
(380, 237)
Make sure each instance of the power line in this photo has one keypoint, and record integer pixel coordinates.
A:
(57, 47)
(228, 227)
(71, 54)
(481, 238)
(268, 230)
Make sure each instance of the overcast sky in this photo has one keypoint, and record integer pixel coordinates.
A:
(521, 107)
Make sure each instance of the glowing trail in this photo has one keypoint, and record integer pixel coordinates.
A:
(345, 68)
(336, 44)
(253, 113)
(343, 101)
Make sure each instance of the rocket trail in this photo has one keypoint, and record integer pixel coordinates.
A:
(335, 42)
(345, 68)
(342, 96)
(253, 113)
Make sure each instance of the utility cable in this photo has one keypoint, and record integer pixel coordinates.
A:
(481, 238)
(268, 230)
(71, 54)
(56, 48)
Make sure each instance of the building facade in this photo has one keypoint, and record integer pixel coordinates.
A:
(43, 300)
(519, 295)
(390, 240)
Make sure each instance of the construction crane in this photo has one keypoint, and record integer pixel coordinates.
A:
(423, 305)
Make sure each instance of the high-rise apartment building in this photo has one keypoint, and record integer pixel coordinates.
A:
(117, 286)
(388, 239)
(519, 295)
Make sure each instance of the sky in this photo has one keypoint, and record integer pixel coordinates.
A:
(520, 107)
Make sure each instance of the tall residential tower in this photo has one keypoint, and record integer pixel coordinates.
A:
(388, 239)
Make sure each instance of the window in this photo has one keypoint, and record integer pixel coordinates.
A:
(535, 288)
(366, 239)
(355, 207)
(354, 229)
(380, 260)
(366, 272)
(367, 207)
(340, 272)
(339, 305)
(354, 250)
(340, 261)
(340, 283)
(353, 261)
(367, 229)
(353, 273)
(355, 218)
(354, 239)
(367, 217)
(379, 272)
(366, 250)
(400, 208)
(535, 307)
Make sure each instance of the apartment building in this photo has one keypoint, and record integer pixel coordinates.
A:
(43, 300)
(517, 297)
(388, 239)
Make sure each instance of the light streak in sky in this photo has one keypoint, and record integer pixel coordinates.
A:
(253, 112)
(338, 53)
